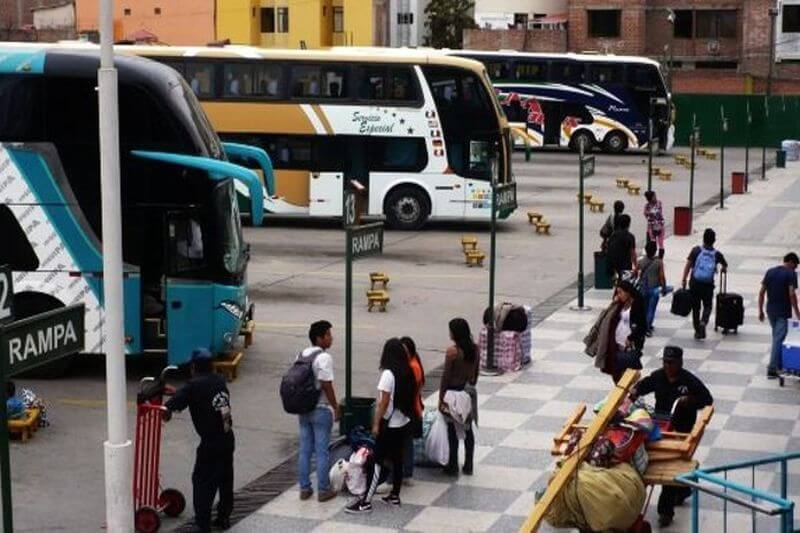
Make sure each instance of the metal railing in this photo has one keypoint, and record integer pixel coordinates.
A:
(715, 482)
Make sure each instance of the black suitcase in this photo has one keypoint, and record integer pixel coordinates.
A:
(681, 303)
(730, 308)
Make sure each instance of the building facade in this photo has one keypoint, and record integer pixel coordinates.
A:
(515, 14)
(37, 20)
(407, 22)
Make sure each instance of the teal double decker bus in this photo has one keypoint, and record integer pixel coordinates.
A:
(184, 255)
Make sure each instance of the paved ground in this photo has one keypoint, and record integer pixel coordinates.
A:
(520, 412)
(296, 276)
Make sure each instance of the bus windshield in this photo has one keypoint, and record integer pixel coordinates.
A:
(185, 100)
(226, 212)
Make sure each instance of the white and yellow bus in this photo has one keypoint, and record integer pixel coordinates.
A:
(420, 129)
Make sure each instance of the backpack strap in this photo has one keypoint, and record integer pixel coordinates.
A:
(313, 355)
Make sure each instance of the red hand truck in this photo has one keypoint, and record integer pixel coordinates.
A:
(148, 499)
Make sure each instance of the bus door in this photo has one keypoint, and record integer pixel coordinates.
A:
(328, 168)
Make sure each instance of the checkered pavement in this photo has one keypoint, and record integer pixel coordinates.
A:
(520, 412)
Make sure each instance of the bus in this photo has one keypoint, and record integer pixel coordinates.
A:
(184, 256)
(581, 100)
(420, 130)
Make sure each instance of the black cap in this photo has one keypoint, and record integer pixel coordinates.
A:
(673, 353)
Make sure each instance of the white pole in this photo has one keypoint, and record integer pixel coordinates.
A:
(118, 448)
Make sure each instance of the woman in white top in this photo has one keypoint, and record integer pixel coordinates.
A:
(391, 425)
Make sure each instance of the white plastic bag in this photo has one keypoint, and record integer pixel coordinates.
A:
(338, 474)
(437, 448)
(356, 479)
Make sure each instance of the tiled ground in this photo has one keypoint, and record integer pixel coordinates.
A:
(520, 412)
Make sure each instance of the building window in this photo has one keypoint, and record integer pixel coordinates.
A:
(267, 20)
(157, 10)
(715, 23)
(283, 20)
(604, 22)
(338, 19)
(791, 19)
(405, 18)
(520, 20)
(126, 12)
(684, 24)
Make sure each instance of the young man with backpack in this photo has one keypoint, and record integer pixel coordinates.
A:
(702, 263)
(307, 391)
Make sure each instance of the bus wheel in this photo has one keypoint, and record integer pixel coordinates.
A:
(27, 304)
(582, 138)
(407, 208)
(615, 142)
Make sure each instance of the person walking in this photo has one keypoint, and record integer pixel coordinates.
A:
(629, 332)
(209, 403)
(654, 215)
(652, 282)
(681, 394)
(418, 371)
(393, 414)
(611, 222)
(702, 264)
(622, 248)
(461, 364)
(316, 426)
(779, 286)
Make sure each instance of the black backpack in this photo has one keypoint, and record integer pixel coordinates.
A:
(299, 392)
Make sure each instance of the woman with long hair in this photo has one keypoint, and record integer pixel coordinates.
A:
(654, 215)
(630, 330)
(393, 414)
(461, 365)
(418, 371)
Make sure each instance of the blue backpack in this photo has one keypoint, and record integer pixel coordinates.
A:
(705, 265)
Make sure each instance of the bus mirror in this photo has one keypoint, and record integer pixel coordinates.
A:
(244, 153)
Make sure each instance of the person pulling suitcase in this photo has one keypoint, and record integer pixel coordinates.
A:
(730, 308)
(702, 264)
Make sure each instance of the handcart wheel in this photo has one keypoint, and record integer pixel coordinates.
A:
(172, 502)
(146, 520)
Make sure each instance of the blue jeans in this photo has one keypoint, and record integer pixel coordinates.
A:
(780, 326)
(651, 299)
(315, 437)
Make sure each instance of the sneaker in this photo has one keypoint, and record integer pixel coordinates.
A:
(222, 522)
(450, 471)
(467, 470)
(664, 520)
(772, 373)
(325, 495)
(697, 335)
(384, 488)
(649, 333)
(306, 494)
(358, 507)
(391, 499)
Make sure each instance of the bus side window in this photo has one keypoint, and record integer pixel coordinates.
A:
(530, 71)
(397, 154)
(267, 80)
(16, 251)
(403, 82)
(605, 73)
(21, 109)
(372, 82)
(238, 80)
(643, 78)
(567, 72)
(498, 69)
(318, 82)
(200, 77)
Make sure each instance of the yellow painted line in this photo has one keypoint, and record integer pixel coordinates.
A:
(324, 274)
(81, 402)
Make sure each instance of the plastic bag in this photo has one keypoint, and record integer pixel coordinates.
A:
(338, 475)
(437, 448)
(356, 479)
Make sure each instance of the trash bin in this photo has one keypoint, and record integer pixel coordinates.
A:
(780, 159)
(737, 182)
(358, 412)
(683, 220)
(601, 278)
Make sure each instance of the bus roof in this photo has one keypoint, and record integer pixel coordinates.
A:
(604, 58)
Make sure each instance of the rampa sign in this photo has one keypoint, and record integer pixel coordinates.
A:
(42, 338)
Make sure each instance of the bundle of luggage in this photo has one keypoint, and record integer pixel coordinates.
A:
(512, 339)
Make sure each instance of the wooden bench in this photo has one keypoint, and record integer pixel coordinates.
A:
(587, 197)
(657, 170)
(665, 175)
(469, 243)
(25, 427)
(701, 151)
(543, 227)
(228, 365)
(377, 298)
(596, 205)
(474, 258)
(622, 182)
(680, 159)
(711, 155)
(379, 277)
(248, 328)
(534, 216)
(634, 189)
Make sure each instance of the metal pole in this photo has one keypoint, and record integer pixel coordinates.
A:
(773, 13)
(348, 318)
(5, 460)
(580, 230)
(747, 150)
(691, 169)
(650, 150)
(118, 448)
(490, 366)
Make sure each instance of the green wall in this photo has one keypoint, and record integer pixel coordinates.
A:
(782, 123)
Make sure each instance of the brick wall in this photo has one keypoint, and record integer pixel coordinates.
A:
(632, 27)
(537, 40)
(728, 82)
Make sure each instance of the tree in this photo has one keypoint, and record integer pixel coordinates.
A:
(446, 22)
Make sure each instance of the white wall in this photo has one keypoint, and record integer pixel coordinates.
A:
(407, 34)
(498, 14)
(54, 17)
(787, 45)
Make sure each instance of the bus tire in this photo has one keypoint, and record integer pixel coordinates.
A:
(407, 207)
(582, 137)
(29, 303)
(615, 142)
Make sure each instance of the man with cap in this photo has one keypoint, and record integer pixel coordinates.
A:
(208, 400)
(682, 394)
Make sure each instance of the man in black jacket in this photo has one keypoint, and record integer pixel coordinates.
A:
(681, 393)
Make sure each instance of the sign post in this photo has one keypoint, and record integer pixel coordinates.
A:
(26, 344)
(695, 138)
(764, 140)
(747, 148)
(6, 316)
(722, 158)
(586, 169)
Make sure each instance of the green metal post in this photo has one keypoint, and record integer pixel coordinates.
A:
(490, 366)
(695, 132)
(5, 460)
(580, 229)
(764, 141)
(650, 152)
(348, 318)
(747, 149)
(722, 159)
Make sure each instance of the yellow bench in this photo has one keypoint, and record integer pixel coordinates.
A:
(228, 365)
(622, 182)
(596, 205)
(534, 216)
(543, 227)
(474, 258)
(378, 277)
(248, 328)
(587, 197)
(701, 151)
(25, 427)
(377, 298)
(711, 155)
(634, 189)
(680, 159)
(665, 175)
(657, 170)
(469, 243)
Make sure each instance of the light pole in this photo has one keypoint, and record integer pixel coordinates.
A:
(773, 14)
(118, 448)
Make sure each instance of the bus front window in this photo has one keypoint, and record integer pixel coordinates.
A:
(230, 228)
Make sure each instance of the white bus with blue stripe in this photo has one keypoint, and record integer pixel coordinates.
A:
(184, 255)
(595, 100)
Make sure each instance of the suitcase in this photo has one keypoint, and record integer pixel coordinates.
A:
(791, 349)
(681, 303)
(730, 308)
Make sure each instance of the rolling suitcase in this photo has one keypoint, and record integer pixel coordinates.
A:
(730, 308)
(681, 303)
